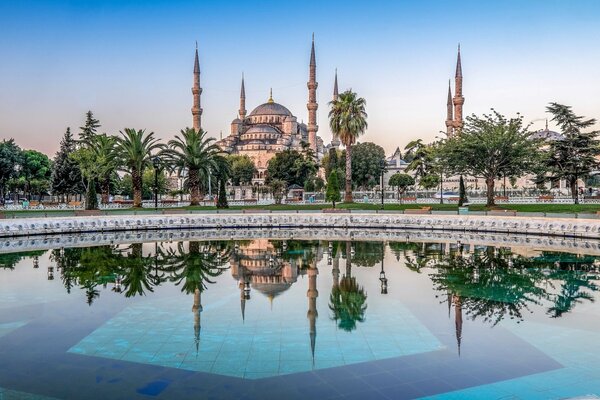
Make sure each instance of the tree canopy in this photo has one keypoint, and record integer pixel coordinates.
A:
(367, 165)
(292, 167)
(242, 169)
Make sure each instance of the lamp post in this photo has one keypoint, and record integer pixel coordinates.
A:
(156, 163)
(382, 183)
(382, 278)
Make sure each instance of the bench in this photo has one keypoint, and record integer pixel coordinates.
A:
(501, 198)
(74, 203)
(404, 199)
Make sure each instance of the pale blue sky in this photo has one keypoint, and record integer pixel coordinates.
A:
(131, 61)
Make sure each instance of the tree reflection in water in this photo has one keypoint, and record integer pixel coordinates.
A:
(348, 300)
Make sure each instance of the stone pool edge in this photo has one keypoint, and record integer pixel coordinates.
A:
(563, 227)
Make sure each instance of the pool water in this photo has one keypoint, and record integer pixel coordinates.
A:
(263, 318)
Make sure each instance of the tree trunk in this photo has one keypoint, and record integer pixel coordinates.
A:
(573, 187)
(136, 180)
(105, 190)
(489, 182)
(194, 184)
(348, 194)
(348, 259)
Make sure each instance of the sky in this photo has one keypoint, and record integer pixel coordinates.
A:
(131, 62)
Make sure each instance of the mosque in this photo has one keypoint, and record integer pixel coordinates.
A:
(269, 128)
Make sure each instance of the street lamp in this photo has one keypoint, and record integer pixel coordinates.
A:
(156, 163)
(382, 183)
(382, 278)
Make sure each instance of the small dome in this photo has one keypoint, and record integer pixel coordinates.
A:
(271, 108)
(546, 134)
(236, 121)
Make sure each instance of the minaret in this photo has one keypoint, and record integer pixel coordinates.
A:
(449, 117)
(335, 87)
(312, 313)
(312, 100)
(242, 111)
(196, 91)
(459, 100)
(335, 142)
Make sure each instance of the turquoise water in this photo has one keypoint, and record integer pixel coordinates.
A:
(272, 318)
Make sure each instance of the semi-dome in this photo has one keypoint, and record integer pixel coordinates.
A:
(271, 108)
(261, 128)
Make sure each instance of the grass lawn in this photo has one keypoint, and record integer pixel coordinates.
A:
(545, 208)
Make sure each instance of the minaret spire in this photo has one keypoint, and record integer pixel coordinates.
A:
(335, 87)
(196, 91)
(312, 313)
(312, 100)
(458, 100)
(449, 113)
(270, 96)
(242, 111)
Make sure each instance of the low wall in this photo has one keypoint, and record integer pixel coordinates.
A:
(585, 228)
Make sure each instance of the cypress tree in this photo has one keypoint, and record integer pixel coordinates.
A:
(89, 129)
(462, 193)
(66, 176)
(222, 198)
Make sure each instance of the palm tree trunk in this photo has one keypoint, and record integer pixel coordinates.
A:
(194, 184)
(105, 191)
(348, 195)
(136, 179)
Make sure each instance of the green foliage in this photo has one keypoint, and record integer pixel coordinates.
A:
(36, 170)
(348, 120)
(401, 182)
(242, 169)
(126, 184)
(134, 149)
(195, 152)
(66, 176)
(278, 189)
(333, 188)
(89, 129)
(292, 167)
(429, 181)
(91, 197)
(366, 165)
(422, 162)
(222, 197)
(491, 146)
(576, 155)
(10, 158)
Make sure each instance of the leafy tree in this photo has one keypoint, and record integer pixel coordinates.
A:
(401, 182)
(366, 164)
(429, 181)
(195, 152)
(10, 158)
(348, 120)
(334, 160)
(333, 188)
(36, 169)
(292, 167)
(489, 147)
(421, 162)
(278, 189)
(89, 129)
(135, 152)
(242, 169)
(66, 176)
(575, 155)
(106, 162)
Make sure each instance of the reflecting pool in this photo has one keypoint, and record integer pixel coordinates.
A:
(277, 317)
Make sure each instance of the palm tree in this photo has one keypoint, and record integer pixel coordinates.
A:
(135, 151)
(348, 120)
(105, 157)
(196, 153)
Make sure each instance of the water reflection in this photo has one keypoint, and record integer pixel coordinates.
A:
(482, 283)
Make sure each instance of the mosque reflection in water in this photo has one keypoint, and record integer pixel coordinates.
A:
(475, 282)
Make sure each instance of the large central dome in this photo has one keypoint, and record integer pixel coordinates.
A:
(271, 108)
